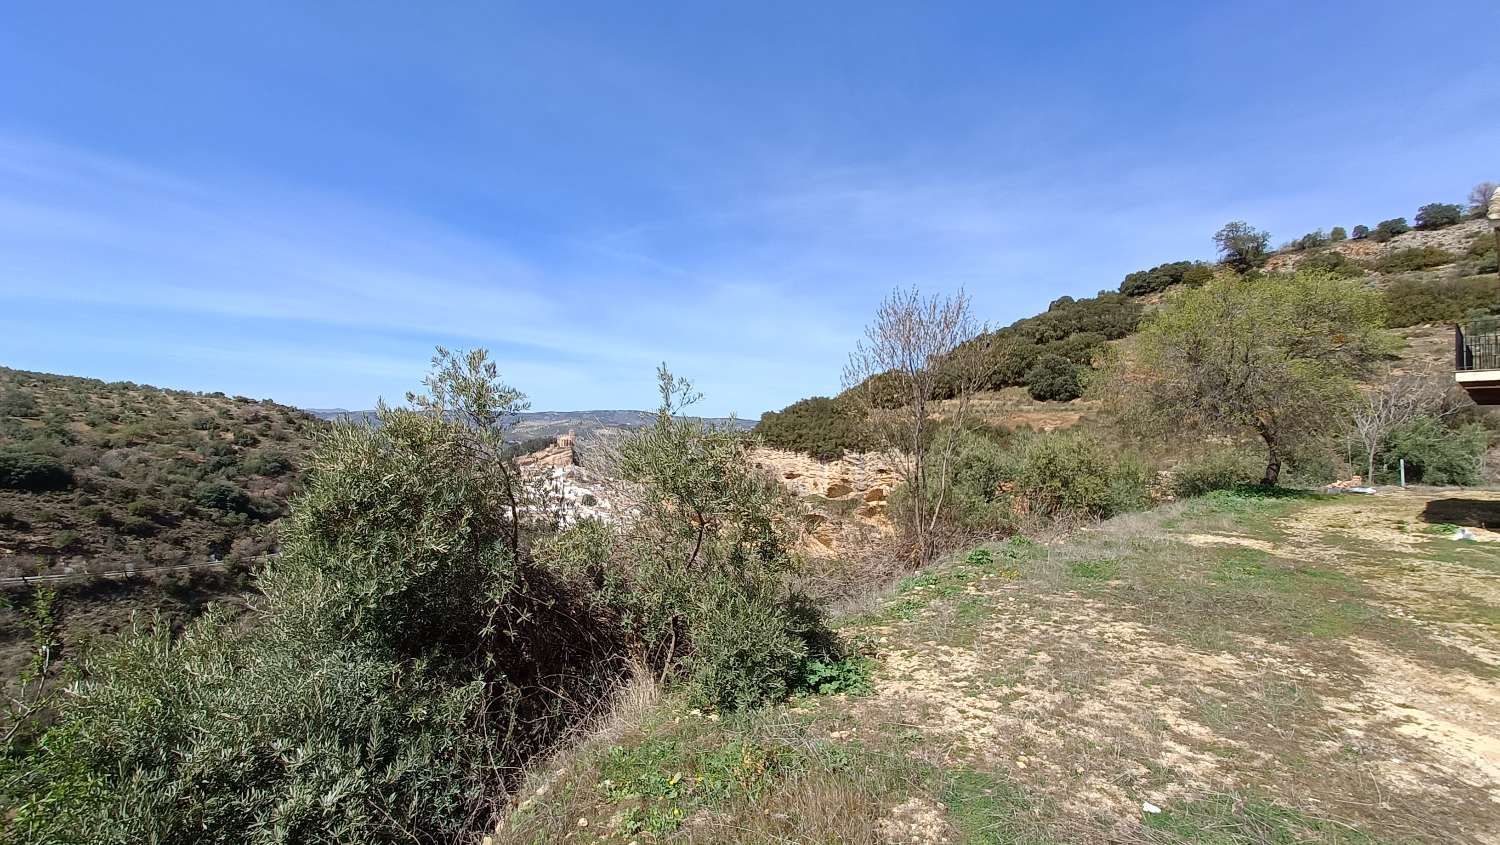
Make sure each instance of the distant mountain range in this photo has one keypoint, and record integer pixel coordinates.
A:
(586, 424)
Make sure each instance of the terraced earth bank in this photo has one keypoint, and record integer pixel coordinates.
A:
(1233, 669)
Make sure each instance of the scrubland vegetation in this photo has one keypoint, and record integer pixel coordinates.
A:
(421, 635)
(101, 476)
(439, 655)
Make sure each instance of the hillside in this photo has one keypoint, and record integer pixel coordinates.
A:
(109, 476)
(1040, 366)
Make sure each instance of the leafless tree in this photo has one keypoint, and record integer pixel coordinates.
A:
(1479, 198)
(1395, 402)
(914, 355)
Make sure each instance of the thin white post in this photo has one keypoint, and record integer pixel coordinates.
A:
(1403, 472)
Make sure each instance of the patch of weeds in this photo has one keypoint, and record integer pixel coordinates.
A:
(1443, 529)
(665, 780)
(988, 810)
(849, 675)
(1224, 820)
(918, 591)
(1094, 570)
(1252, 507)
(971, 611)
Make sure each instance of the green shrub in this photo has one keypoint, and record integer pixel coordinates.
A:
(1337, 234)
(1388, 229)
(1415, 258)
(750, 645)
(1436, 215)
(1221, 469)
(1163, 276)
(1434, 453)
(705, 588)
(1054, 378)
(1360, 232)
(15, 402)
(267, 463)
(820, 427)
(1332, 262)
(32, 472)
(1074, 474)
(222, 496)
(1074, 329)
(1410, 302)
(976, 499)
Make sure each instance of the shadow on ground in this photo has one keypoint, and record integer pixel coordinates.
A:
(1474, 513)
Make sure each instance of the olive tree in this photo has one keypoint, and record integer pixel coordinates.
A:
(1277, 359)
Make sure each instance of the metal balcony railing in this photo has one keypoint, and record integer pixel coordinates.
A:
(1476, 345)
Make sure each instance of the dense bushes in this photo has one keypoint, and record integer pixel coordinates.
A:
(18, 403)
(1415, 258)
(1074, 474)
(32, 472)
(1054, 378)
(1163, 276)
(1071, 329)
(1221, 469)
(390, 681)
(1074, 329)
(821, 427)
(1410, 302)
(705, 560)
(1434, 453)
(1000, 482)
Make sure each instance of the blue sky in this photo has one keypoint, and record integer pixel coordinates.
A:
(297, 201)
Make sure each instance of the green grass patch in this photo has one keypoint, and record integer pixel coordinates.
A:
(988, 810)
(666, 779)
(1484, 557)
(1094, 570)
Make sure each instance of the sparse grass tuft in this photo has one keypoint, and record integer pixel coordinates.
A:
(1225, 820)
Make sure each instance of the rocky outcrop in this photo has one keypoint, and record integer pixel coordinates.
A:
(847, 499)
(563, 453)
(1454, 239)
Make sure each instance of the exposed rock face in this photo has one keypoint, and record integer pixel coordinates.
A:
(560, 454)
(1455, 239)
(847, 498)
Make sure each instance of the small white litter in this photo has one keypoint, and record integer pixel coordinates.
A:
(1462, 534)
(1148, 807)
